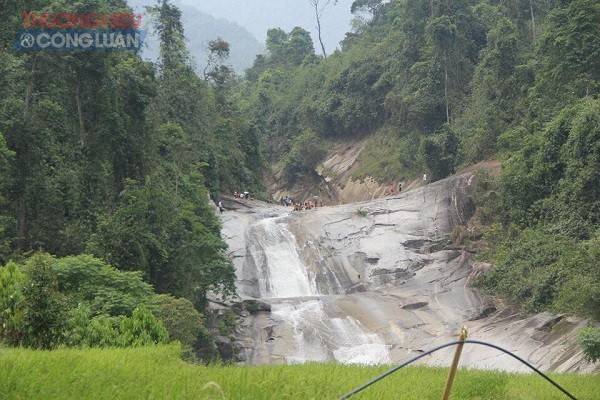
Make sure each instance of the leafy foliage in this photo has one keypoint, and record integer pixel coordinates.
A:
(547, 190)
(101, 287)
(104, 153)
(542, 270)
(589, 339)
(183, 322)
(551, 177)
(490, 72)
(11, 303)
(82, 301)
(142, 329)
(439, 151)
(306, 152)
(177, 245)
(44, 306)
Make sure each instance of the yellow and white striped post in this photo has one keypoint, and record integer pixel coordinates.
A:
(454, 366)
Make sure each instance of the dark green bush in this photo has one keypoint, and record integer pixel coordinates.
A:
(306, 152)
(80, 301)
(589, 339)
(543, 270)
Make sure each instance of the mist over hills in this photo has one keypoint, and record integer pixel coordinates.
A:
(258, 16)
(244, 24)
(200, 28)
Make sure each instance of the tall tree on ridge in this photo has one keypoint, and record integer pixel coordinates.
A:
(319, 6)
(168, 25)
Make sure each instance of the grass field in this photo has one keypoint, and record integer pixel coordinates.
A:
(158, 373)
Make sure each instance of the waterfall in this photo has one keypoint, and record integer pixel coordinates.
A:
(281, 271)
(335, 286)
(318, 332)
(320, 337)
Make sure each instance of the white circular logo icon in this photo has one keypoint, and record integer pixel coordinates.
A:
(27, 40)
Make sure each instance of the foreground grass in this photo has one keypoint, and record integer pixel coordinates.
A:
(158, 373)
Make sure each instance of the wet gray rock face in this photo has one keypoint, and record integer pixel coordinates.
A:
(377, 282)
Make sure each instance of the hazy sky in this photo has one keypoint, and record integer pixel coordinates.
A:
(258, 16)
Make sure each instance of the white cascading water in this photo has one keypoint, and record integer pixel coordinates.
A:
(320, 337)
(317, 335)
(356, 345)
(282, 273)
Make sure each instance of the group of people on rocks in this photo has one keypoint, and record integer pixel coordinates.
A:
(287, 201)
(241, 195)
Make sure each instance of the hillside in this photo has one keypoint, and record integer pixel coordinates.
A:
(423, 87)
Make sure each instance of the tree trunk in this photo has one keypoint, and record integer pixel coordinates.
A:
(446, 89)
(29, 90)
(532, 20)
(22, 231)
(317, 14)
(21, 221)
(82, 134)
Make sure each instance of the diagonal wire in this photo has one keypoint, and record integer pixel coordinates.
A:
(478, 342)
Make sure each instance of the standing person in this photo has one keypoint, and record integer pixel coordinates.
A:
(221, 209)
(399, 187)
(425, 178)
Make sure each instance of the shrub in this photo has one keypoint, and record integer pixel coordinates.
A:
(11, 303)
(44, 306)
(306, 152)
(86, 331)
(361, 212)
(226, 323)
(439, 152)
(142, 329)
(545, 270)
(103, 331)
(589, 339)
(82, 302)
(101, 287)
(183, 322)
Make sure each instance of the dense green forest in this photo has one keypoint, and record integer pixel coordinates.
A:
(446, 84)
(108, 155)
(104, 154)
